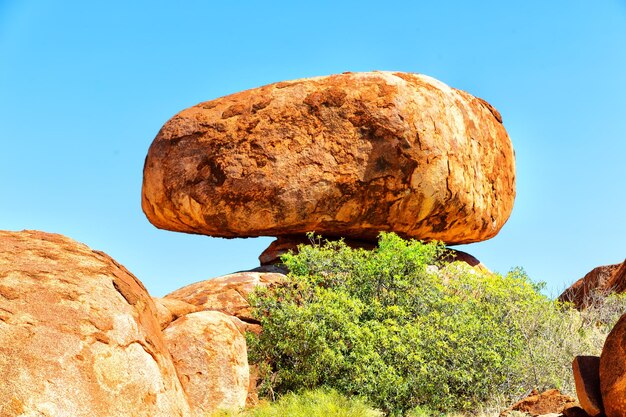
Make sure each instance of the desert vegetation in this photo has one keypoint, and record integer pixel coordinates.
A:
(412, 335)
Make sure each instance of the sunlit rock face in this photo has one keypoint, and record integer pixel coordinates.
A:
(343, 155)
(79, 335)
(211, 359)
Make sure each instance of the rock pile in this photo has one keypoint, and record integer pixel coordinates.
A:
(346, 155)
(79, 335)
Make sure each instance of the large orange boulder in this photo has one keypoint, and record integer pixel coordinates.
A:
(78, 335)
(228, 293)
(211, 359)
(613, 371)
(344, 155)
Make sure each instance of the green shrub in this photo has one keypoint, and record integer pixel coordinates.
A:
(317, 403)
(396, 327)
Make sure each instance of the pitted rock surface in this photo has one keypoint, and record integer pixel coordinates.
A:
(78, 335)
(345, 155)
(211, 359)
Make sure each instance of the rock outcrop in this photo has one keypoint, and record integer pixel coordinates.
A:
(227, 294)
(211, 359)
(613, 371)
(78, 335)
(599, 282)
(345, 155)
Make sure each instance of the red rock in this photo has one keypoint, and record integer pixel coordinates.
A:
(211, 359)
(344, 155)
(548, 402)
(78, 335)
(586, 371)
(228, 293)
(599, 282)
(613, 371)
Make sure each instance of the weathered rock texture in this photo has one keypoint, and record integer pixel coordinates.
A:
(169, 309)
(211, 359)
(586, 371)
(228, 293)
(78, 335)
(538, 404)
(345, 155)
(613, 371)
(599, 282)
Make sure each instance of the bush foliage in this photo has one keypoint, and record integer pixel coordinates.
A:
(404, 331)
(316, 403)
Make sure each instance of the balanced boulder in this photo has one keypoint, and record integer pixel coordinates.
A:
(78, 335)
(343, 155)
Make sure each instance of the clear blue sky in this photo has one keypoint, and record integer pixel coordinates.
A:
(85, 87)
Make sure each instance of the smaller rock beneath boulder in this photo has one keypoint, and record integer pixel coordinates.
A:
(211, 360)
(587, 378)
(548, 402)
(284, 244)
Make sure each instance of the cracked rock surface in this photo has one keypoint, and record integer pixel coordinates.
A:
(345, 155)
(78, 335)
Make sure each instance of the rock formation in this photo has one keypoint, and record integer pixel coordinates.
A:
(228, 293)
(599, 282)
(211, 359)
(613, 371)
(78, 335)
(345, 155)
(587, 379)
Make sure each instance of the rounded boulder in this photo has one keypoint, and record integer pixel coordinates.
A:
(345, 155)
